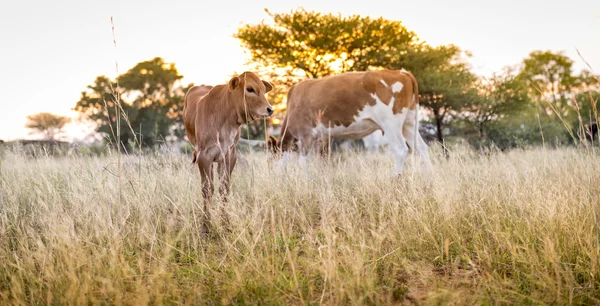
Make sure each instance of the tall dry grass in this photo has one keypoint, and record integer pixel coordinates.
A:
(497, 228)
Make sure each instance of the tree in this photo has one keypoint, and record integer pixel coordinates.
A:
(550, 79)
(321, 44)
(150, 103)
(586, 105)
(501, 95)
(556, 89)
(446, 84)
(47, 124)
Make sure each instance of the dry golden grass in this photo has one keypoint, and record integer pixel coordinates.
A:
(496, 228)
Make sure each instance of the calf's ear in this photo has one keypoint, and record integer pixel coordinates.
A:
(234, 83)
(268, 86)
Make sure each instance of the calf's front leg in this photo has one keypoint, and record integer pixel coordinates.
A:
(206, 177)
(225, 168)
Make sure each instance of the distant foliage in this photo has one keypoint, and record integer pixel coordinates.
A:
(321, 44)
(47, 124)
(151, 102)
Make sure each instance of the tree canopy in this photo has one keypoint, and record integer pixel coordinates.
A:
(48, 124)
(150, 101)
(559, 94)
(320, 44)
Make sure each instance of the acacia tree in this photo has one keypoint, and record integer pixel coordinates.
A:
(321, 44)
(49, 125)
(150, 103)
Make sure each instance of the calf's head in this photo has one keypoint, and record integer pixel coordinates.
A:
(249, 91)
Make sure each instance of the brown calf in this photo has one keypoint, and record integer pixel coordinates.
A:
(212, 117)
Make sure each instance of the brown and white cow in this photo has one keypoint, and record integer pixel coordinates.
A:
(353, 105)
(213, 116)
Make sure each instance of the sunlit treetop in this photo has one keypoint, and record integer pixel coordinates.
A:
(321, 44)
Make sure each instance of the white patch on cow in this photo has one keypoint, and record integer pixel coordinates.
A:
(383, 82)
(403, 70)
(371, 118)
(397, 87)
(391, 124)
(376, 117)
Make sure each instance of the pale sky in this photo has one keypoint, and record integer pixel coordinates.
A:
(51, 50)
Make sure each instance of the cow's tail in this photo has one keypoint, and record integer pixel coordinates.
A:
(415, 87)
(415, 102)
(286, 140)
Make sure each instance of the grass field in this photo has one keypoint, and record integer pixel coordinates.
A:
(494, 228)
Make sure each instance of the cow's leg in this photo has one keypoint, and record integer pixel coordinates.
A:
(400, 150)
(284, 159)
(305, 146)
(286, 144)
(206, 176)
(287, 149)
(415, 141)
(393, 133)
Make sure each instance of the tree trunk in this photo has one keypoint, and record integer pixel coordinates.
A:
(440, 135)
(438, 123)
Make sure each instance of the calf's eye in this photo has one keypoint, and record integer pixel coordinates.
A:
(250, 89)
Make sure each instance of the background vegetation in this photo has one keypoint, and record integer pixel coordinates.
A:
(512, 108)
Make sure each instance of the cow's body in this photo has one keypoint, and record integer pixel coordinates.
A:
(353, 105)
(212, 117)
(192, 101)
